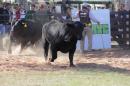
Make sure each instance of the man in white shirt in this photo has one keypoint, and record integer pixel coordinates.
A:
(86, 16)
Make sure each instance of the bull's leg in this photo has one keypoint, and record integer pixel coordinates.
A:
(53, 53)
(71, 55)
(46, 47)
(10, 45)
(23, 44)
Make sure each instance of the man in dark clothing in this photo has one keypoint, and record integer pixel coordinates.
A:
(4, 15)
(1, 15)
(4, 19)
(7, 16)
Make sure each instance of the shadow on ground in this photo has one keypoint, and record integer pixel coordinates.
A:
(79, 67)
(114, 53)
(103, 60)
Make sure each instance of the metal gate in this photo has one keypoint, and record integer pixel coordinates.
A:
(120, 27)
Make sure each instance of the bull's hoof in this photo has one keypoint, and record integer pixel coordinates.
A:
(51, 60)
(48, 63)
(72, 65)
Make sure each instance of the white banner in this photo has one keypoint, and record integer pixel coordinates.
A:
(101, 33)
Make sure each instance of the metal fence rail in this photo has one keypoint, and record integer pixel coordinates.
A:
(120, 27)
(6, 19)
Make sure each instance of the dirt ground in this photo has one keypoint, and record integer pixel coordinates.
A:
(111, 59)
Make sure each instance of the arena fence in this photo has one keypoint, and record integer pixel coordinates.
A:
(120, 27)
(6, 20)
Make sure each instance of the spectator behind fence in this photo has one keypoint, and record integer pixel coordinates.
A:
(68, 14)
(18, 13)
(75, 14)
(42, 15)
(122, 7)
(4, 14)
(86, 16)
(7, 17)
(15, 14)
(2, 22)
(1, 13)
(22, 12)
(67, 17)
(30, 14)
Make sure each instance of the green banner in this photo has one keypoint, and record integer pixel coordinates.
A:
(100, 29)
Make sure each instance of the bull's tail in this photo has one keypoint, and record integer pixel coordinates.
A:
(46, 48)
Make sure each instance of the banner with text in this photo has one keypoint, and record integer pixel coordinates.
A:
(101, 33)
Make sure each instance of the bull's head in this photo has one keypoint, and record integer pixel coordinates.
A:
(75, 29)
(19, 25)
(79, 29)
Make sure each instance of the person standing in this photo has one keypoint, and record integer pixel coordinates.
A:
(86, 16)
(7, 17)
(17, 13)
(75, 14)
(30, 14)
(68, 13)
(42, 15)
(2, 20)
(2, 26)
(122, 7)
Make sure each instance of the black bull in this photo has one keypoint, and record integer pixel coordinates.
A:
(25, 32)
(61, 37)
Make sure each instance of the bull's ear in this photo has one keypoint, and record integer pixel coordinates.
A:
(71, 25)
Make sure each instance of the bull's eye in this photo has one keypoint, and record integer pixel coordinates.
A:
(25, 25)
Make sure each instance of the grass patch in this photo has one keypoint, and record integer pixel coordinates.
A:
(70, 77)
